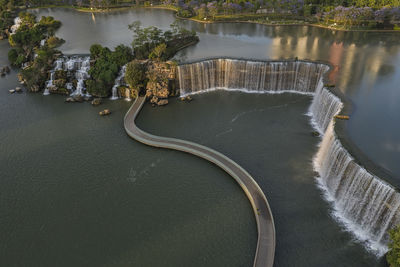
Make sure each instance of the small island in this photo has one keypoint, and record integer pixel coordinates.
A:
(124, 71)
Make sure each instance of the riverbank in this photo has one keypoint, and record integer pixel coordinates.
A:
(262, 19)
(267, 21)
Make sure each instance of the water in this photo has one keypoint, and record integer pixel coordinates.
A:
(224, 120)
(82, 29)
(77, 191)
(364, 203)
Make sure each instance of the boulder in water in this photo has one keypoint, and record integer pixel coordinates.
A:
(7, 69)
(69, 100)
(12, 91)
(78, 98)
(96, 101)
(2, 73)
(105, 112)
(18, 89)
(162, 102)
(186, 98)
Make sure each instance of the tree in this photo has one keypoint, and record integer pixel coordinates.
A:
(135, 75)
(202, 11)
(54, 42)
(393, 256)
(158, 51)
(213, 9)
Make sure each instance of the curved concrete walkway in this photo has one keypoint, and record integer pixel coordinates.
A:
(265, 251)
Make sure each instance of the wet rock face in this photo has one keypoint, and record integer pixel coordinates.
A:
(160, 75)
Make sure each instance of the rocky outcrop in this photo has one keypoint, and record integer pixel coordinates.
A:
(127, 93)
(161, 80)
(59, 87)
(75, 98)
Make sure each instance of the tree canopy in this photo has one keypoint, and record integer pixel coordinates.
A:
(105, 68)
(145, 40)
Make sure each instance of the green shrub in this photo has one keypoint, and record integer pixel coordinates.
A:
(393, 256)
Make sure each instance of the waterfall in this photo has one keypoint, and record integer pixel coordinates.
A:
(324, 107)
(81, 74)
(366, 205)
(17, 24)
(118, 82)
(250, 76)
(363, 203)
(49, 84)
(77, 68)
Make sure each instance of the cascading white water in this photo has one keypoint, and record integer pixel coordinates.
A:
(324, 107)
(363, 203)
(59, 64)
(249, 76)
(81, 74)
(49, 84)
(118, 82)
(77, 68)
(17, 24)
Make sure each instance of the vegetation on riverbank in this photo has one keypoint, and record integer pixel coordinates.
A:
(341, 15)
(34, 48)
